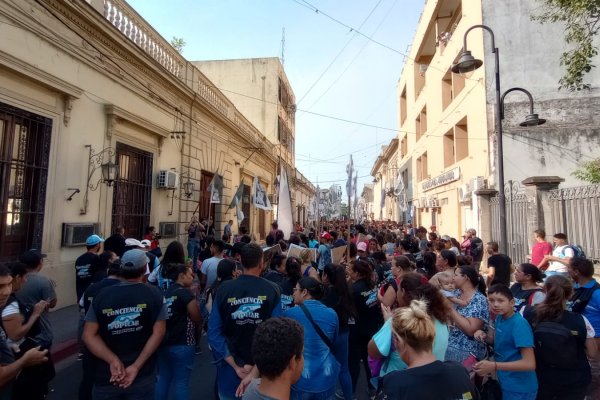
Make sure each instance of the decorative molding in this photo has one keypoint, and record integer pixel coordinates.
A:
(68, 107)
(116, 115)
(40, 77)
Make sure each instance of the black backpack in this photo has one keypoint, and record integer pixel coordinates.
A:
(581, 297)
(556, 345)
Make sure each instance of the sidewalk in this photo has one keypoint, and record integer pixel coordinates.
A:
(64, 326)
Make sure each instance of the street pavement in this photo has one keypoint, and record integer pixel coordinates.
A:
(68, 375)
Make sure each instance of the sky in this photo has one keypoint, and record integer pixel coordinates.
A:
(342, 61)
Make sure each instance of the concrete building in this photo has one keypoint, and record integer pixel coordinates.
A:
(259, 88)
(443, 151)
(385, 173)
(85, 86)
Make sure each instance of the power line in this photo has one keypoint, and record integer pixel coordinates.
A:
(338, 54)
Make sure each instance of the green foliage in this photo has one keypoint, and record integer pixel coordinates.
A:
(178, 43)
(582, 23)
(588, 171)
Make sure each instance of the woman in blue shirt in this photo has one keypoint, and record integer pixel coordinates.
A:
(321, 368)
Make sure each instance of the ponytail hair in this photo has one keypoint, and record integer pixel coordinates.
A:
(293, 269)
(414, 326)
(172, 270)
(558, 290)
(476, 279)
(313, 287)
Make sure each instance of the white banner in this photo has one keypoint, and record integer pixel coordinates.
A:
(259, 196)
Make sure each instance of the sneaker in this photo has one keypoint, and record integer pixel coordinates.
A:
(339, 394)
(198, 350)
(79, 356)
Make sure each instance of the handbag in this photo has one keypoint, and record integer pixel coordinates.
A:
(316, 327)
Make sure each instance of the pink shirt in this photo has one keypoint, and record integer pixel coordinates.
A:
(539, 250)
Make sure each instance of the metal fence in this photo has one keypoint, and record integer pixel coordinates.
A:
(576, 213)
(516, 222)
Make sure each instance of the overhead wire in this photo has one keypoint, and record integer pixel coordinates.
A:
(338, 54)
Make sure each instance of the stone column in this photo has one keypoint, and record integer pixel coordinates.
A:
(537, 189)
(485, 214)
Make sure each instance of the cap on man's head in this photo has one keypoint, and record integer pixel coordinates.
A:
(145, 243)
(32, 258)
(134, 259)
(362, 246)
(326, 235)
(93, 240)
(445, 237)
(133, 243)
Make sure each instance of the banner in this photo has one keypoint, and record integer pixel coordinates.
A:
(259, 196)
(284, 205)
(237, 197)
(215, 187)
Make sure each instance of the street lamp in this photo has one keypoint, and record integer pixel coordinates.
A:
(467, 63)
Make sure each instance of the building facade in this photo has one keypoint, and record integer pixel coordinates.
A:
(87, 86)
(260, 89)
(443, 150)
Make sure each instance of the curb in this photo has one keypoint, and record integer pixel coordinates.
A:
(64, 350)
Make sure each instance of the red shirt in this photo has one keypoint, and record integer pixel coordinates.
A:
(539, 250)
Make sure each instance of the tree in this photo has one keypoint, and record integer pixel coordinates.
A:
(178, 43)
(588, 171)
(582, 23)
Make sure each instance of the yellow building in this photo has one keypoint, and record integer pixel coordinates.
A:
(85, 86)
(443, 150)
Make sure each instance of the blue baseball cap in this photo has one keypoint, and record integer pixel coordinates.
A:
(93, 240)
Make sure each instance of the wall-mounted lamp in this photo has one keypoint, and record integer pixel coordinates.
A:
(188, 188)
(108, 171)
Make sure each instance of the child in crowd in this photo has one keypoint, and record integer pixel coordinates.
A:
(513, 348)
(443, 281)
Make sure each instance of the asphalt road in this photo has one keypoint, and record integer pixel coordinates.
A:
(68, 375)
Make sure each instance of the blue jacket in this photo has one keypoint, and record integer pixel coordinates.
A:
(321, 368)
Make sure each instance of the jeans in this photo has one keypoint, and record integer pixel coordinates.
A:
(342, 358)
(193, 248)
(550, 273)
(510, 395)
(570, 392)
(227, 381)
(175, 365)
(300, 395)
(356, 354)
(140, 389)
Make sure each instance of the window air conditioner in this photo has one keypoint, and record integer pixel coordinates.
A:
(167, 180)
(167, 229)
(76, 234)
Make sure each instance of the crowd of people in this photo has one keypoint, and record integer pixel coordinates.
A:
(424, 315)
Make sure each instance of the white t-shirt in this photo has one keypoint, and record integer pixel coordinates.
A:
(12, 309)
(560, 252)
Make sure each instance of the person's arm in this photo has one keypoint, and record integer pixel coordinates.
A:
(31, 357)
(491, 274)
(95, 344)
(526, 363)
(388, 298)
(158, 332)
(468, 325)
(216, 340)
(485, 337)
(13, 323)
(194, 311)
(458, 301)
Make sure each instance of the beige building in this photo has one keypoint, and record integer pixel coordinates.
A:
(85, 86)
(385, 173)
(443, 151)
(259, 88)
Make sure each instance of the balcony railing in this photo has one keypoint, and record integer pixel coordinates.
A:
(135, 28)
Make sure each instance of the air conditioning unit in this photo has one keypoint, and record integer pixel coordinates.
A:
(76, 234)
(167, 180)
(464, 193)
(477, 183)
(167, 229)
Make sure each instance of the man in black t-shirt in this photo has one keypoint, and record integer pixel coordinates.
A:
(86, 263)
(239, 307)
(123, 328)
(499, 266)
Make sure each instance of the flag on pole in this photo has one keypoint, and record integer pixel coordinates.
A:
(284, 208)
(215, 187)
(237, 197)
(259, 197)
(349, 170)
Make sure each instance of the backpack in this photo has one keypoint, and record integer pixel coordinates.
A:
(556, 345)
(581, 297)
(577, 250)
